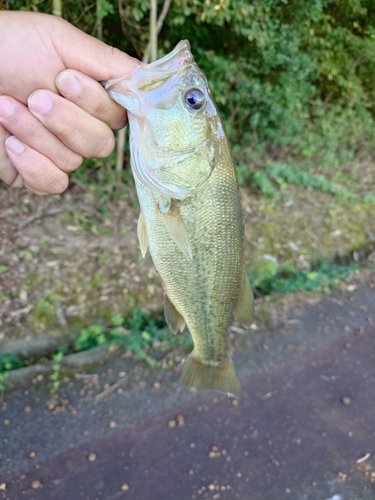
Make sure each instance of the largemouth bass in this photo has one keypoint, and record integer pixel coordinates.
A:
(191, 215)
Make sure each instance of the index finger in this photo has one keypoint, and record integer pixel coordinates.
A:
(89, 95)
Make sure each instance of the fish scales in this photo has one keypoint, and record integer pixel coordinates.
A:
(191, 215)
(205, 299)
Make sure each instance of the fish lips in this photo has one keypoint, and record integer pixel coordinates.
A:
(165, 72)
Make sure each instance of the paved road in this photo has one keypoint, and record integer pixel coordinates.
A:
(304, 428)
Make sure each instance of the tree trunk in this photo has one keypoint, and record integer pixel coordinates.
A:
(57, 8)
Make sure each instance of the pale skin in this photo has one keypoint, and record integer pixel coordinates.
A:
(53, 110)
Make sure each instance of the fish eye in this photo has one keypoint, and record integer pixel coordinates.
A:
(195, 99)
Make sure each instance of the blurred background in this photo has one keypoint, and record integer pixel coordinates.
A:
(294, 82)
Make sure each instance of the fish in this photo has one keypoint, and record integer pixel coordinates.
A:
(191, 217)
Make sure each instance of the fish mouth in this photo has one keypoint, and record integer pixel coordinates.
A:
(171, 65)
(179, 56)
(147, 77)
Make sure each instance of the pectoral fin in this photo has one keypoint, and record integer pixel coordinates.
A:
(178, 232)
(142, 234)
(173, 318)
(244, 308)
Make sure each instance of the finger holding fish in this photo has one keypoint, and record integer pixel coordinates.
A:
(89, 95)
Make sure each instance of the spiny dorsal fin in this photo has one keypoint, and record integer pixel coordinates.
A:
(173, 318)
(244, 308)
(142, 234)
(178, 232)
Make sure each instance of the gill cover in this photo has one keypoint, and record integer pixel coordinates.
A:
(172, 117)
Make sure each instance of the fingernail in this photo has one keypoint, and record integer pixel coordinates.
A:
(40, 102)
(68, 84)
(14, 145)
(6, 107)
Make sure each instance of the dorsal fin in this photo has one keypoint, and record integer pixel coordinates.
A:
(142, 234)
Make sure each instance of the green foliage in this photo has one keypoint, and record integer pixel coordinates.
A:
(92, 336)
(8, 362)
(286, 279)
(140, 334)
(143, 335)
(264, 270)
(275, 178)
(104, 8)
(56, 367)
(284, 72)
(3, 377)
(117, 320)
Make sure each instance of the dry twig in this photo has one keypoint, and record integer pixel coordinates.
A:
(110, 389)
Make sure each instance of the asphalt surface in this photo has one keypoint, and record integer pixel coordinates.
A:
(304, 428)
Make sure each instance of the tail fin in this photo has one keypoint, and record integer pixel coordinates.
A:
(221, 377)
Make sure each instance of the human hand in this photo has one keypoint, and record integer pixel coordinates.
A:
(46, 133)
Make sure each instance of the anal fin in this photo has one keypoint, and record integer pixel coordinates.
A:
(245, 304)
(142, 234)
(174, 319)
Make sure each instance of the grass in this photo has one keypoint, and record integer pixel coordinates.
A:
(142, 335)
(269, 277)
(275, 178)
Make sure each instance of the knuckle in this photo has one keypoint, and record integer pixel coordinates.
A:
(121, 123)
(110, 113)
(60, 185)
(107, 146)
(66, 127)
(100, 109)
(36, 173)
(72, 161)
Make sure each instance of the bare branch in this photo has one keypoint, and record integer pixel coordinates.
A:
(159, 25)
(163, 15)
